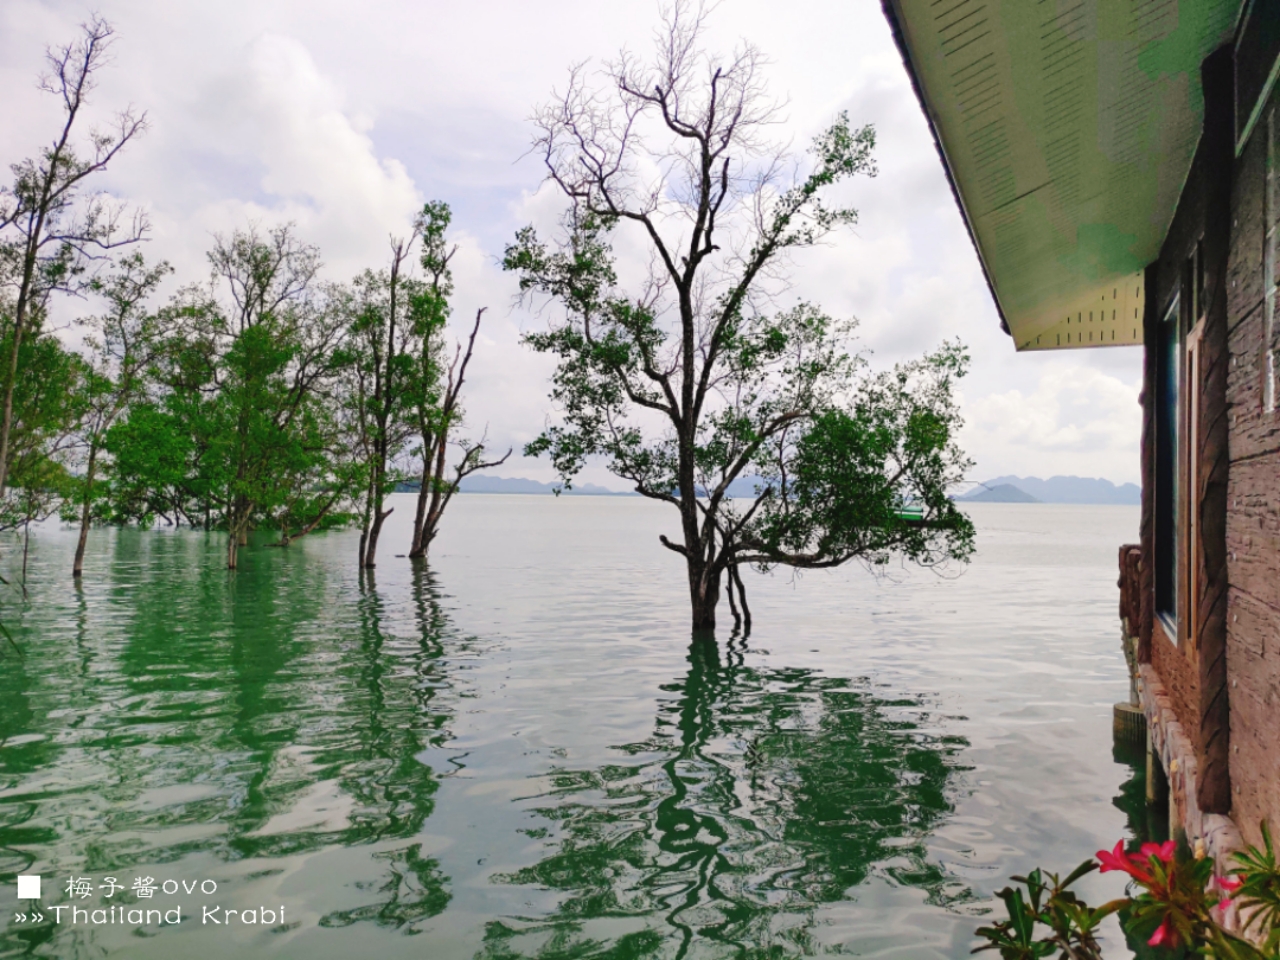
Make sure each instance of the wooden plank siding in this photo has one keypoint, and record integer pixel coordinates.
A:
(1253, 490)
(1193, 269)
(1210, 453)
(1220, 670)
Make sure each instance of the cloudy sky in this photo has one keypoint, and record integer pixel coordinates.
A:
(344, 117)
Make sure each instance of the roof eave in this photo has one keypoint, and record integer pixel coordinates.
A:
(891, 13)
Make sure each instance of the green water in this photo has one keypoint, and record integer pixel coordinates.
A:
(518, 752)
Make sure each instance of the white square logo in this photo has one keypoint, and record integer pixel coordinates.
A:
(29, 888)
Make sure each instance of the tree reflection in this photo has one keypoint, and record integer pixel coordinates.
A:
(1146, 823)
(762, 795)
(253, 718)
(392, 788)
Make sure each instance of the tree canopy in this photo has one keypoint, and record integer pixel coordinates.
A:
(269, 397)
(693, 377)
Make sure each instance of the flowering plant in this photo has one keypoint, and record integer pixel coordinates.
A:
(1172, 902)
(1048, 903)
(1256, 889)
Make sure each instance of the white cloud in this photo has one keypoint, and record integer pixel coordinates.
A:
(343, 118)
(295, 154)
(1077, 420)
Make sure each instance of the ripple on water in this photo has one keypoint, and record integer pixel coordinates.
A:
(519, 752)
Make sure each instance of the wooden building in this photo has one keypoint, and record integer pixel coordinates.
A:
(1117, 163)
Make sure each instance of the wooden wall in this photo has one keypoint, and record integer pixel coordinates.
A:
(1194, 266)
(1222, 671)
(1253, 518)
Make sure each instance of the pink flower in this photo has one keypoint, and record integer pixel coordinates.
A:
(1115, 859)
(1132, 864)
(1164, 933)
(1230, 884)
(1164, 851)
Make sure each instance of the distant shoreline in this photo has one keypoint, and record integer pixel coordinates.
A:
(1084, 491)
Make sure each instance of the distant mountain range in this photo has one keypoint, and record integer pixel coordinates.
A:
(486, 483)
(1055, 490)
(997, 490)
(1001, 493)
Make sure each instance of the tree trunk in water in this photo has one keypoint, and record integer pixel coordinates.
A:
(367, 520)
(429, 530)
(704, 594)
(432, 475)
(419, 547)
(237, 532)
(371, 545)
(431, 525)
(374, 515)
(86, 512)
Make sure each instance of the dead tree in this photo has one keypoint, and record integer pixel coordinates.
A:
(435, 425)
(51, 233)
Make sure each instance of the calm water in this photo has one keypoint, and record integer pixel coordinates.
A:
(518, 753)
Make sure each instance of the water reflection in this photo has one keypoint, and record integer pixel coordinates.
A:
(762, 795)
(1146, 823)
(347, 749)
(170, 715)
(391, 787)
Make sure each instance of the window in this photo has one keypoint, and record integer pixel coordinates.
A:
(1189, 401)
(1168, 410)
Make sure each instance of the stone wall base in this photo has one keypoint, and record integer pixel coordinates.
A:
(1208, 834)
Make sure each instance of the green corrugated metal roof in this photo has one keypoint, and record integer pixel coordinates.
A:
(1068, 128)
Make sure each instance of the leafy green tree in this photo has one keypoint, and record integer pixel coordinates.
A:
(156, 469)
(51, 233)
(242, 425)
(162, 453)
(277, 352)
(437, 386)
(385, 329)
(121, 344)
(689, 381)
(48, 404)
(865, 476)
(401, 399)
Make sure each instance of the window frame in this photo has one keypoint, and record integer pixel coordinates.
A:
(1169, 403)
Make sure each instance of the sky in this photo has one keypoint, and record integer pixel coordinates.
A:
(344, 118)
